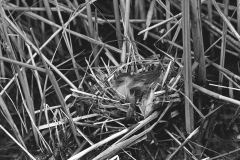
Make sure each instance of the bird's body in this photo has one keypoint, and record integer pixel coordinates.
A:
(133, 87)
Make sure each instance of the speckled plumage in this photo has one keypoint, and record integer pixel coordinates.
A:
(132, 87)
(136, 87)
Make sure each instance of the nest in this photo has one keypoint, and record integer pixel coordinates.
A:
(106, 109)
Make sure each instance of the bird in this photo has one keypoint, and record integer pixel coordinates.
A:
(135, 87)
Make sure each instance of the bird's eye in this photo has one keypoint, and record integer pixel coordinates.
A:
(120, 80)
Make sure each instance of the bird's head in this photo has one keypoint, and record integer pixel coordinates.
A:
(123, 84)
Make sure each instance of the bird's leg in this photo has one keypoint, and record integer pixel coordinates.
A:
(130, 112)
(132, 107)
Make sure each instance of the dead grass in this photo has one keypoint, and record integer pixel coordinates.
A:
(110, 79)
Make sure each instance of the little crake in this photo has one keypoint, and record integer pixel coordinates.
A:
(133, 88)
